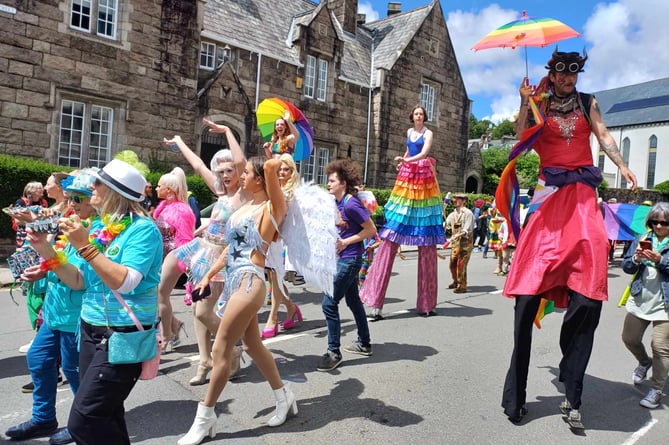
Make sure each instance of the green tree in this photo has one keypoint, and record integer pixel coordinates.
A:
(477, 128)
(504, 128)
(495, 160)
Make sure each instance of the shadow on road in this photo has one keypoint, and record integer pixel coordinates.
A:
(13, 366)
(607, 405)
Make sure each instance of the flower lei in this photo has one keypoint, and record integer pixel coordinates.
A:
(101, 238)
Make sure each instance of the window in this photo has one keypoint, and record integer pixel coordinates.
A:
(626, 158)
(652, 158)
(316, 81)
(427, 99)
(85, 134)
(601, 158)
(207, 55)
(322, 79)
(313, 168)
(106, 12)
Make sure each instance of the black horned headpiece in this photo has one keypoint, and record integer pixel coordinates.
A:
(562, 62)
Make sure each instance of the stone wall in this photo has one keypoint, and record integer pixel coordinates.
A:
(147, 74)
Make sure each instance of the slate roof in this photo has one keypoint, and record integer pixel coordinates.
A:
(256, 25)
(267, 27)
(393, 34)
(643, 103)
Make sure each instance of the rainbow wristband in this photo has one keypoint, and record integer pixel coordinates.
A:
(53, 262)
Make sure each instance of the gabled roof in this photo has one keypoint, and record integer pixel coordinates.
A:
(393, 34)
(259, 26)
(269, 27)
(643, 103)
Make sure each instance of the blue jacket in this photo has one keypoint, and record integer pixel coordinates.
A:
(663, 268)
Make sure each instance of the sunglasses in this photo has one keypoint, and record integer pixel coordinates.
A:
(562, 67)
(78, 198)
(97, 183)
(655, 222)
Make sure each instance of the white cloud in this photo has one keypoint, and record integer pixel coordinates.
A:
(367, 9)
(626, 41)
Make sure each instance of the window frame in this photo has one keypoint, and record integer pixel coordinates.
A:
(313, 167)
(428, 93)
(652, 162)
(210, 57)
(94, 19)
(626, 148)
(91, 127)
(316, 75)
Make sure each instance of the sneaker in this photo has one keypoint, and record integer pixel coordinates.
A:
(25, 348)
(565, 407)
(574, 420)
(28, 430)
(652, 399)
(375, 315)
(639, 374)
(358, 348)
(62, 437)
(329, 361)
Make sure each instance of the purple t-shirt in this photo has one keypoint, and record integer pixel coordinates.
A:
(352, 214)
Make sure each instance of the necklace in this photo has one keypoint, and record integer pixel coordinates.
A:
(101, 238)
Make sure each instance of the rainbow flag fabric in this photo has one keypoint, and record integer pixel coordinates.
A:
(624, 222)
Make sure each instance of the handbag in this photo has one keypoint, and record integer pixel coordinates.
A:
(141, 346)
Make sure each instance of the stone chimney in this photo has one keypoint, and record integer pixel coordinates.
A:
(361, 19)
(394, 8)
(346, 12)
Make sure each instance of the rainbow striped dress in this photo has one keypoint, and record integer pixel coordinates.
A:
(413, 212)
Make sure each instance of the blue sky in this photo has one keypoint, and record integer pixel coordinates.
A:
(627, 42)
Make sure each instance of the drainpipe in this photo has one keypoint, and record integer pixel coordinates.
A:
(258, 80)
(369, 109)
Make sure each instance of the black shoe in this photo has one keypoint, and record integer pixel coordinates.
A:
(30, 387)
(427, 314)
(374, 317)
(518, 417)
(329, 361)
(62, 437)
(29, 429)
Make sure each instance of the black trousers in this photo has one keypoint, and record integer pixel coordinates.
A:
(576, 340)
(97, 416)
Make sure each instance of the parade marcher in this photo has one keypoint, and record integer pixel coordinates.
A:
(56, 339)
(561, 254)
(648, 302)
(250, 230)
(461, 224)
(284, 138)
(355, 225)
(413, 217)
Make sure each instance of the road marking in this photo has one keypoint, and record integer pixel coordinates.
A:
(640, 432)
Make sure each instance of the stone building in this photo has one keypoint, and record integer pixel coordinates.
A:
(79, 83)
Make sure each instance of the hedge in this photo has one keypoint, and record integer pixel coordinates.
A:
(16, 172)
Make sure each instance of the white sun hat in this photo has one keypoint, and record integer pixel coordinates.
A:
(124, 179)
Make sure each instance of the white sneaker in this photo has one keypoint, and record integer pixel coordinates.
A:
(652, 399)
(25, 348)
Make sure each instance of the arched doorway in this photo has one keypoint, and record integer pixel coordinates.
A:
(472, 185)
(210, 143)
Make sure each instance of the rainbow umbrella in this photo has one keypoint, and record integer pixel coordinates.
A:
(526, 32)
(271, 109)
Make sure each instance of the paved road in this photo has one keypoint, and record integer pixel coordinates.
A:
(430, 381)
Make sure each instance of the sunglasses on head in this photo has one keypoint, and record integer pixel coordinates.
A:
(77, 198)
(562, 67)
(655, 222)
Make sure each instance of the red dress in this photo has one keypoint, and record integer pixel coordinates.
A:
(564, 245)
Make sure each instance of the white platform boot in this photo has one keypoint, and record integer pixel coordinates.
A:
(285, 403)
(203, 425)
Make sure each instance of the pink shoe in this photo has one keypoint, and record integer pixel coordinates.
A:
(270, 332)
(290, 323)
